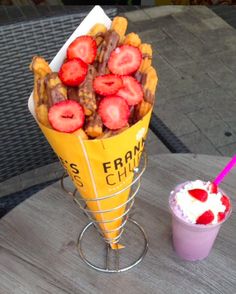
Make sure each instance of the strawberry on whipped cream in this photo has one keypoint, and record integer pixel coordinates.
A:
(199, 202)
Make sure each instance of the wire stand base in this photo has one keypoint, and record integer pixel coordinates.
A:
(113, 261)
(113, 228)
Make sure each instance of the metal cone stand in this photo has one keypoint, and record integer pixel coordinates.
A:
(111, 259)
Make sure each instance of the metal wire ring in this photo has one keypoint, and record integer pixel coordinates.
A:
(106, 268)
(128, 204)
(65, 175)
(112, 209)
(114, 219)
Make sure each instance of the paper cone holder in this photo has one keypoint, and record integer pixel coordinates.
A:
(125, 217)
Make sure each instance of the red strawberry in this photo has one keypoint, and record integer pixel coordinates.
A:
(107, 84)
(213, 188)
(124, 60)
(114, 112)
(66, 116)
(205, 218)
(132, 91)
(83, 47)
(225, 201)
(73, 72)
(221, 216)
(199, 194)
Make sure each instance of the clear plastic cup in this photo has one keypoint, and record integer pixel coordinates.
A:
(192, 241)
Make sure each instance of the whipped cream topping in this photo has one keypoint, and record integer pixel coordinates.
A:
(192, 208)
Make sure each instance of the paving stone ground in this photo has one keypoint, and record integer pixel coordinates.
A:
(227, 12)
(195, 55)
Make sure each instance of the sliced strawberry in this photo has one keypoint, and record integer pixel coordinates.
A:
(124, 60)
(73, 72)
(199, 194)
(132, 91)
(66, 116)
(226, 202)
(213, 188)
(107, 84)
(206, 218)
(221, 216)
(83, 47)
(114, 112)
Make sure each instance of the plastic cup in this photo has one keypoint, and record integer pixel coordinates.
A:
(191, 241)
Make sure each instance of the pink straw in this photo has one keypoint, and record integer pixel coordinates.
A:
(225, 171)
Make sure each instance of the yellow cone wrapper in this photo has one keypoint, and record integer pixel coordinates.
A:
(99, 167)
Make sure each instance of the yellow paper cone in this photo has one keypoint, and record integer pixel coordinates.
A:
(100, 168)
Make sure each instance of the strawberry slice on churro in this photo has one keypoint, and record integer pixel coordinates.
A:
(66, 116)
(73, 72)
(125, 60)
(83, 47)
(114, 112)
(131, 91)
(107, 84)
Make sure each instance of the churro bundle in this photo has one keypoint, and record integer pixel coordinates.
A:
(105, 84)
(119, 25)
(146, 51)
(86, 93)
(98, 31)
(55, 90)
(94, 126)
(149, 82)
(112, 39)
(40, 69)
(132, 39)
(141, 110)
(41, 112)
(110, 42)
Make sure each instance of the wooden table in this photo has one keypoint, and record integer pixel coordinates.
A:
(38, 241)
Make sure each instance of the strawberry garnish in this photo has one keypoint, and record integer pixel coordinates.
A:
(213, 188)
(132, 91)
(221, 216)
(107, 84)
(73, 72)
(205, 218)
(114, 112)
(124, 60)
(66, 116)
(83, 47)
(199, 194)
(225, 201)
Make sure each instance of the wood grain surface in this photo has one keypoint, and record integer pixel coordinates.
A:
(38, 240)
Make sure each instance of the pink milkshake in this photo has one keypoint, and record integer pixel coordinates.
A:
(198, 210)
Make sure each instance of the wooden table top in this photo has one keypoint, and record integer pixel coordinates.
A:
(38, 251)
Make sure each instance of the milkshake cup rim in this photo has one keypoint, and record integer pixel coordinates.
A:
(197, 226)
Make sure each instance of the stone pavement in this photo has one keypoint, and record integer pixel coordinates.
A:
(195, 55)
(227, 12)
